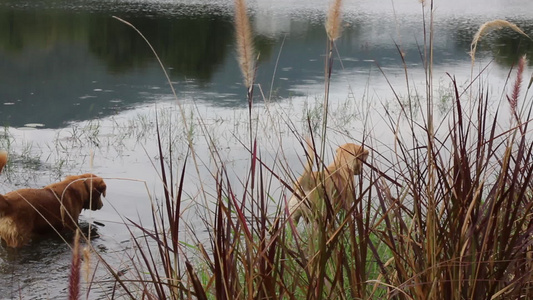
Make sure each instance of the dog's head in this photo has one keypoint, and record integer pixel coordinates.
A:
(351, 156)
(91, 189)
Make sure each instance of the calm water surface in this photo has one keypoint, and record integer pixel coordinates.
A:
(79, 92)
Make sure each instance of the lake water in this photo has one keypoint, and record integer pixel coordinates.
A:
(79, 92)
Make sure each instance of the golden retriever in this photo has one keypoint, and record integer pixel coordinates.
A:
(335, 182)
(27, 212)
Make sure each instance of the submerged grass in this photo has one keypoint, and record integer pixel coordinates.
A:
(445, 213)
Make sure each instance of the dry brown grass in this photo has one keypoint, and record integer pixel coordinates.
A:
(487, 27)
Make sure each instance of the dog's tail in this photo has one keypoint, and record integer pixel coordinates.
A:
(3, 159)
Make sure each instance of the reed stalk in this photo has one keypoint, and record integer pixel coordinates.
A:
(75, 267)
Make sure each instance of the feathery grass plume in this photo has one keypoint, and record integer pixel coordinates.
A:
(513, 100)
(245, 47)
(488, 26)
(333, 22)
(74, 278)
(333, 30)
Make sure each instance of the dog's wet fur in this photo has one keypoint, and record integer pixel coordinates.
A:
(25, 213)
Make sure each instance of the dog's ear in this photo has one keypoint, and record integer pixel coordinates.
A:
(94, 182)
(346, 156)
(96, 188)
(99, 185)
(364, 154)
(360, 157)
(352, 155)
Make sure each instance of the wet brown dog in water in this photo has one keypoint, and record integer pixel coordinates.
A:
(26, 212)
(338, 182)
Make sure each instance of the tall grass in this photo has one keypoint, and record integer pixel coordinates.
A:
(445, 214)
(481, 238)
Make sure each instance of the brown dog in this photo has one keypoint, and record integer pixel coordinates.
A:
(336, 182)
(26, 212)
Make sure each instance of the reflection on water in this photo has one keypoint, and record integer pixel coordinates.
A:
(62, 61)
(59, 66)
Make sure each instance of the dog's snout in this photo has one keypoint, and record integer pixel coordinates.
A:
(99, 204)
